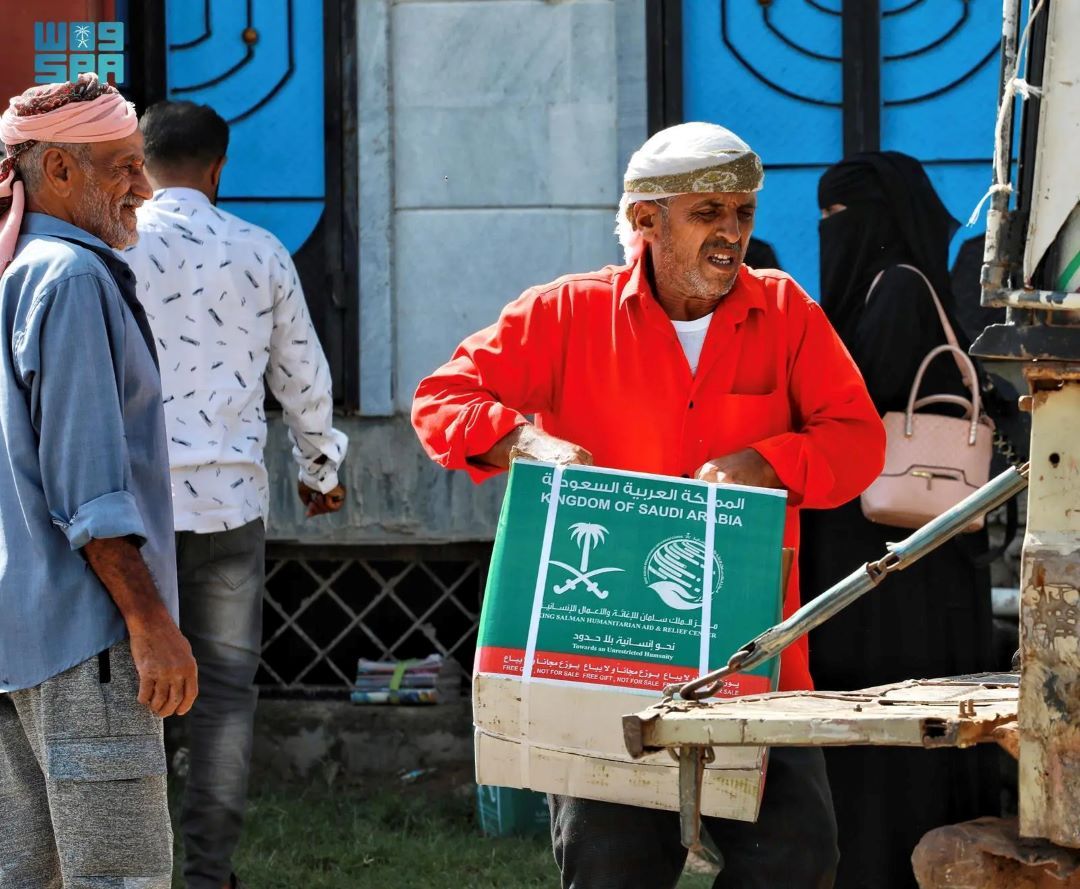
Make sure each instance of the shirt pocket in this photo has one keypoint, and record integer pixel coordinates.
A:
(738, 421)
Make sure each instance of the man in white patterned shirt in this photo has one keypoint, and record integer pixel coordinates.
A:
(227, 311)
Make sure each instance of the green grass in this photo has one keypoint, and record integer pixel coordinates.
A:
(419, 837)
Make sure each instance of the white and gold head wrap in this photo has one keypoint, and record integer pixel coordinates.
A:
(690, 157)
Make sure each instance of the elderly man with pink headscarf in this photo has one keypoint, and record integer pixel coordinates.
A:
(91, 658)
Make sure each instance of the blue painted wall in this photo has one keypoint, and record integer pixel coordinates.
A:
(271, 92)
(772, 73)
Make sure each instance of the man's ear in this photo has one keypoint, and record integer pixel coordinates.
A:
(215, 172)
(646, 216)
(62, 171)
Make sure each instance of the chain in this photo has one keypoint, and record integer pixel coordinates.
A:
(1002, 443)
(1004, 446)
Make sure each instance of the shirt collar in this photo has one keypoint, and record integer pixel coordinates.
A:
(51, 226)
(181, 193)
(44, 225)
(635, 283)
(747, 293)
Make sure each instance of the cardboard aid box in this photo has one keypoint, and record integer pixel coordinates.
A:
(604, 587)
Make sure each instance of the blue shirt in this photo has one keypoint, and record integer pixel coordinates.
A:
(83, 453)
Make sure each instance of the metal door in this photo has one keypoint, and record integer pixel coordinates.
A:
(801, 80)
(281, 73)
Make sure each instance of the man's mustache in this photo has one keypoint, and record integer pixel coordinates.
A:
(735, 248)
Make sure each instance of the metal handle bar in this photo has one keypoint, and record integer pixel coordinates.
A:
(900, 555)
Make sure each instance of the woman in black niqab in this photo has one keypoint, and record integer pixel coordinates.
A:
(892, 216)
(933, 619)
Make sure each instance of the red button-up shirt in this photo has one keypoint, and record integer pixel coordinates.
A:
(597, 361)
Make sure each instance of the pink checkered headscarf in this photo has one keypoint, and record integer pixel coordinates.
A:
(84, 111)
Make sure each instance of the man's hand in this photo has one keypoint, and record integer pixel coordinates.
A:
(746, 467)
(529, 442)
(168, 676)
(321, 504)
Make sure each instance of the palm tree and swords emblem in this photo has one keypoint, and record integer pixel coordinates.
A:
(587, 536)
(82, 36)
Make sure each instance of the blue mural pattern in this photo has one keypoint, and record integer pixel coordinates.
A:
(771, 71)
(258, 63)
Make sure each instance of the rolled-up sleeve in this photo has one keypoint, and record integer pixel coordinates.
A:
(72, 362)
(111, 515)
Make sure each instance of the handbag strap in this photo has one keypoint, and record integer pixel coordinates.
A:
(973, 387)
(1002, 444)
(967, 371)
(957, 400)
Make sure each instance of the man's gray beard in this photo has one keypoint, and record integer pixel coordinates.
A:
(695, 284)
(96, 214)
(702, 289)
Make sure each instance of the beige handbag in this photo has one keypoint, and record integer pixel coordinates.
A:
(932, 462)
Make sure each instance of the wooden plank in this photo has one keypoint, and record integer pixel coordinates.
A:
(955, 712)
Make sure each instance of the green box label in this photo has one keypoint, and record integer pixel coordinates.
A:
(612, 583)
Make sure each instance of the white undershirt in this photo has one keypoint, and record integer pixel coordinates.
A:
(692, 337)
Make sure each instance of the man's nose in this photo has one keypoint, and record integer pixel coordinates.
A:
(728, 227)
(140, 185)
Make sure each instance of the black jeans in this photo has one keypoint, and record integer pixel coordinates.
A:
(221, 584)
(792, 845)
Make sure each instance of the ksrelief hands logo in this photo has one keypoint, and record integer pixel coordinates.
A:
(587, 536)
(675, 571)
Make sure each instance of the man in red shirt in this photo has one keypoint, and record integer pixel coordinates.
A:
(681, 362)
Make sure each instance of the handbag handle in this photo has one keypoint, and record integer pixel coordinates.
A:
(975, 406)
(957, 400)
(950, 334)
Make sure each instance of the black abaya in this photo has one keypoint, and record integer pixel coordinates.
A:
(931, 620)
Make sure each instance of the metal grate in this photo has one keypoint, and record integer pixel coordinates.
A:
(322, 611)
